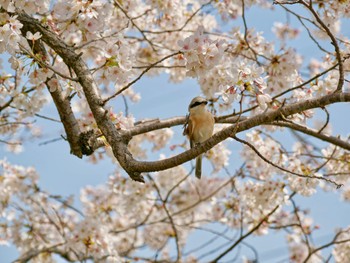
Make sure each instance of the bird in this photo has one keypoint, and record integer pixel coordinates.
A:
(199, 127)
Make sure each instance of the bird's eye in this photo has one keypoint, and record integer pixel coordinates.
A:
(198, 103)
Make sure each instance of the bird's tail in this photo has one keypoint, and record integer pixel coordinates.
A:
(199, 166)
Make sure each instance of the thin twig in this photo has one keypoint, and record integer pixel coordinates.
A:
(245, 235)
(331, 243)
(183, 26)
(300, 225)
(306, 82)
(136, 79)
(134, 24)
(327, 120)
(45, 65)
(10, 143)
(35, 252)
(329, 33)
(283, 169)
(176, 235)
(334, 42)
(246, 33)
(50, 141)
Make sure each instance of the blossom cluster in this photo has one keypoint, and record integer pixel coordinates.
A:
(233, 9)
(284, 31)
(10, 34)
(116, 217)
(342, 246)
(201, 53)
(237, 68)
(268, 148)
(259, 200)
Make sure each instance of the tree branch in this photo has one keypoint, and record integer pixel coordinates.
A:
(334, 43)
(62, 102)
(119, 139)
(328, 32)
(184, 25)
(244, 236)
(134, 24)
(164, 205)
(137, 78)
(331, 139)
(263, 118)
(36, 252)
(284, 169)
(91, 91)
(333, 242)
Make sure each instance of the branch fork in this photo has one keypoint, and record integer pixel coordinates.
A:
(118, 139)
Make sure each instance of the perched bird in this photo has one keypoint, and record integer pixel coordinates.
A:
(199, 127)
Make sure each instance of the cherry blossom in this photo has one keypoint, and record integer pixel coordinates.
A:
(263, 100)
(201, 52)
(84, 64)
(340, 250)
(32, 36)
(284, 31)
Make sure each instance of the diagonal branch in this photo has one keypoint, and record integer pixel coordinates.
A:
(306, 82)
(184, 25)
(119, 139)
(333, 242)
(36, 252)
(139, 77)
(328, 32)
(334, 43)
(260, 119)
(284, 169)
(239, 240)
(331, 139)
(90, 88)
(134, 24)
(61, 101)
(6, 104)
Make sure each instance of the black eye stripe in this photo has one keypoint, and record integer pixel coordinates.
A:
(198, 103)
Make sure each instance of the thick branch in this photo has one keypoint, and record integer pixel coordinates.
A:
(62, 102)
(6, 104)
(331, 139)
(68, 119)
(264, 118)
(156, 124)
(90, 88)
(119, 139)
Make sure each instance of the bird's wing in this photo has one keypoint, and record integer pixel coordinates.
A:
(190, 127)
(185, 127)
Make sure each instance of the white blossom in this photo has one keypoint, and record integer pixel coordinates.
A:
(32, 36)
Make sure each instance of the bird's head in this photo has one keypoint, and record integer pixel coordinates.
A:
(197, 103)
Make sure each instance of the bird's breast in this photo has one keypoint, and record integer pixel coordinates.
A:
(203, 126)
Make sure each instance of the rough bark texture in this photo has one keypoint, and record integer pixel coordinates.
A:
(62, 102)
(119, 139)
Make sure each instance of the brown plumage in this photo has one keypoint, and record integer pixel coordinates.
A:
(199, 127)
